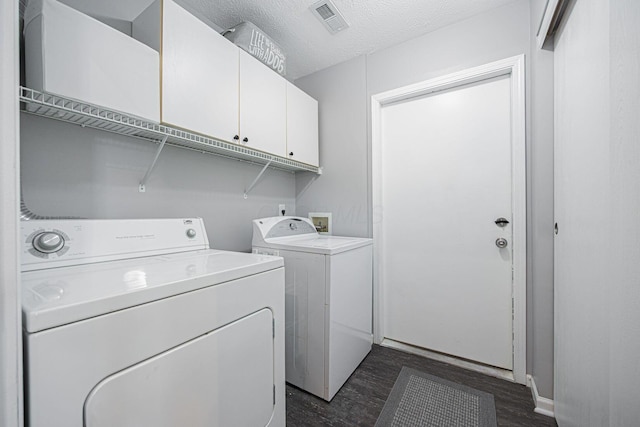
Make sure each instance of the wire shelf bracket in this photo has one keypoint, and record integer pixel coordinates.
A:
(255, 181)
(142, 188)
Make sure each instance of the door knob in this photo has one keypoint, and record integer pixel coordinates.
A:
(501, 222)
(501, 243)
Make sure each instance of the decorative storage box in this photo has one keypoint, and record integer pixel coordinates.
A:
(251, 39)
(73, 55)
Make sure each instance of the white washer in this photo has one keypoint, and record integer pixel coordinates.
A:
(139, 323)
(328, 281)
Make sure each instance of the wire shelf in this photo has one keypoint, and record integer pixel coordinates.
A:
(87, 115)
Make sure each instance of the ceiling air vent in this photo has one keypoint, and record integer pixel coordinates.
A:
(329, 15)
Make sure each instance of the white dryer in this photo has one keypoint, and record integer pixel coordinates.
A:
(328, 282)
(139, 323)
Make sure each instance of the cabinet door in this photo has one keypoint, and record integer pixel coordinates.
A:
(302, 126)
(263, 105)
(199, 75)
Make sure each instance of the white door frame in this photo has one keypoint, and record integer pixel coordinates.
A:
(513, 67)
(10, 312)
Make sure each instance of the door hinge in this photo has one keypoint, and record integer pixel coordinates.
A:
(274, 395)
(273, 327)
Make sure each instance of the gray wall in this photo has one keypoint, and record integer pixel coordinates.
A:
(343, 187)
(344, 92)
(540, 188)
(68, 170)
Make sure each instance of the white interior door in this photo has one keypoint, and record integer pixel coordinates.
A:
(446, 161)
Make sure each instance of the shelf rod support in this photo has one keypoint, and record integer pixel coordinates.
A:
(308, 184)
(145, 178)
(253, 184)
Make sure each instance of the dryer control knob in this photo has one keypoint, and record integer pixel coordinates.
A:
(191, 233)
(48, 242)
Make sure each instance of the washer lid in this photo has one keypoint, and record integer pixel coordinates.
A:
(64, 295)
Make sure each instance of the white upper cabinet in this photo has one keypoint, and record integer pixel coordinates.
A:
(169, 66)
(302, 126)
(263, 106)
(71, 54)
(160, 61)
(200, 76)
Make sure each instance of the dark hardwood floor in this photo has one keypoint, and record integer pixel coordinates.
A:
(361, 399)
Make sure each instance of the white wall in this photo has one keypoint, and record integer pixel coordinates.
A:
(10, 319)
(344, 137)
(597, 57)
(581, 246)
(624, 327)
(69, 170)
(491, 36)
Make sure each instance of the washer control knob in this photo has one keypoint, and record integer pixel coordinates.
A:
(191, 233)
(48, 242)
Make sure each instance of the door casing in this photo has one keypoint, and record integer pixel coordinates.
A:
(514, 68)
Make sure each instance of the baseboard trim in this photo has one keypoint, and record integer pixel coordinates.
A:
(544, 406)
(462, 363)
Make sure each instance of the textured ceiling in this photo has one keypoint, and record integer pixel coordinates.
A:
(374, 25)
(309, 47)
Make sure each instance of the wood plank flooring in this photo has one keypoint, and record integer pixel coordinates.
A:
(361, 399)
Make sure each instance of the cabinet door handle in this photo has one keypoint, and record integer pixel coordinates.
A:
(291, 153)
(245, 139)
(237, 137)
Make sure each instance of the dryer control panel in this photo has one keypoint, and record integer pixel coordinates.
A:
(61, 243)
